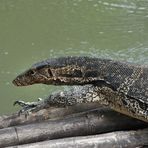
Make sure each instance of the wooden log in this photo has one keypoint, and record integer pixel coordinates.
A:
(47, 109)
(44, 114)
(95, 122)
(121, 139)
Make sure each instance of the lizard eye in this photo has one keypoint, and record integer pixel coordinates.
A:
(32, 72)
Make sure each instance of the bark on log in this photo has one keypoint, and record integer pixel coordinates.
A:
(49, 113)
(97, 121)
(130, 139)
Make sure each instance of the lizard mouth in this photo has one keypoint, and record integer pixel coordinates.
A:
(17, 82)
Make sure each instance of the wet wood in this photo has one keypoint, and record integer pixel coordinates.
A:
(130, 139)
(97, 121)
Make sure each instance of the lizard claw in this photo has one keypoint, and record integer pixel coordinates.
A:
(27, 107)
(20, 103)
(23, 111)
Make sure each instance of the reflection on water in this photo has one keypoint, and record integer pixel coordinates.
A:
(35, 30)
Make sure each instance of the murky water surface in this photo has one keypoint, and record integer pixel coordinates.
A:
(34, 30)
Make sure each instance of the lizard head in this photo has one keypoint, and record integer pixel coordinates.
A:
(59, 71)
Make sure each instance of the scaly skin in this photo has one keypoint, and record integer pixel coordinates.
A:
(119, 85)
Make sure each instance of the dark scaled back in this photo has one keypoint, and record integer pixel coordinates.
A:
(116, 72)
(139, 89)
(130, 79)
(83, 62)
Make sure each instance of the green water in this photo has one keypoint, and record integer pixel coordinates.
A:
(33, 30)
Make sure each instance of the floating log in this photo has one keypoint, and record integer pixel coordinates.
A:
(130, 139)
(98, 121)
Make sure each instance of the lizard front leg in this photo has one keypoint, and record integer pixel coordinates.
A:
(59, 99)
(100, 94)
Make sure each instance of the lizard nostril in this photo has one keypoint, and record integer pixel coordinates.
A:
(15, 82)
